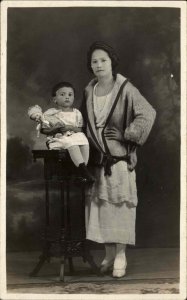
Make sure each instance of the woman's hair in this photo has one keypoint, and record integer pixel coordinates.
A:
(110, 51)
(60, 85)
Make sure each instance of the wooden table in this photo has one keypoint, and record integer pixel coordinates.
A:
(59, 169)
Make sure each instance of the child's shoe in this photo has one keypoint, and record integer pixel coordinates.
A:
(86, 174)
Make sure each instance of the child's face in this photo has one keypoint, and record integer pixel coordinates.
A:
(64, 97)
(36, 116)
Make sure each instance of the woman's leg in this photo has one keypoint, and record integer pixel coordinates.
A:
(85, 153)
(109, 257)
(120, 262)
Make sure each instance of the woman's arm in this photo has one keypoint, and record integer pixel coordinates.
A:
(143, 117)
(83, 111)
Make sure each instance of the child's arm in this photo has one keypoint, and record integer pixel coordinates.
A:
(52, 130)
(70, 128)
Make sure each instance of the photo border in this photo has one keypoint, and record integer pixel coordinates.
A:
(183, 221)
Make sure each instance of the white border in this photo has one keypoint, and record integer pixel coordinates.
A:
(3, 149)
(183, 209)
(176, 4)
(69, 3)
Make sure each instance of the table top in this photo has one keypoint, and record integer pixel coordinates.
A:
(58, 164)
(56, 154)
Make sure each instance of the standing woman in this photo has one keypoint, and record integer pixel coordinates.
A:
(119, 119)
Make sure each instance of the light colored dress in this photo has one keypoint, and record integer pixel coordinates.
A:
(69, 138)
(111, 201)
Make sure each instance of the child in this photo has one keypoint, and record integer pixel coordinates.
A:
(63, 127)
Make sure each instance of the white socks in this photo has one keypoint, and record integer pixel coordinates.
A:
(109, 253)
(79, 154)
(115, 256)
(109, 258)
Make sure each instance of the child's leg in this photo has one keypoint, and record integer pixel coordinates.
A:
(76, 155)
(85, 153)
(77, 158)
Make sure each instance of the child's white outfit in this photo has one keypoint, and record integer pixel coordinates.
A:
(69, 138)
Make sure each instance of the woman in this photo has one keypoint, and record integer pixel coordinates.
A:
(119, 119)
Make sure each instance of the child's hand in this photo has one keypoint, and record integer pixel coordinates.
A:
(65, 128)
(59, 125)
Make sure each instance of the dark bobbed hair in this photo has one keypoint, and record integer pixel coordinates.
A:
(60, 85)
(108, 49)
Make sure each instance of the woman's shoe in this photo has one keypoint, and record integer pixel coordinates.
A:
(119, 272)
(106, 265)
(120, 265)
(108, 261)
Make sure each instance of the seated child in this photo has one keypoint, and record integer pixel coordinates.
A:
(63, 127)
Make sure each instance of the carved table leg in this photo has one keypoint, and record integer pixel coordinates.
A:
(62, 268)
(71, 266)
(45, 256)
(62, 232)
(68, 228)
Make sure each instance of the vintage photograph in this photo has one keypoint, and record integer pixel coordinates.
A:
(93, 136)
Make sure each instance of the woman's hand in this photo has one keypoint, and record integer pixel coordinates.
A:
(114, 134)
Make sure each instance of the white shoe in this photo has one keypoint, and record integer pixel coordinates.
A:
(106, 265)
(120, 265)
(119, 272)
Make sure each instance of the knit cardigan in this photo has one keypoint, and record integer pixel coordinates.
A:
(131, 114)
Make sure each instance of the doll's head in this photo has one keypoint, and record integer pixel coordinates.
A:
(63, 94)
(35, 113)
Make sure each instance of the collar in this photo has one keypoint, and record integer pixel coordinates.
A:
(119, 80)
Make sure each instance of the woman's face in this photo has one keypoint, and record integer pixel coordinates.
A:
(101, 63)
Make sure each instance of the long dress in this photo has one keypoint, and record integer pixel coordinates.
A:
(111, 201)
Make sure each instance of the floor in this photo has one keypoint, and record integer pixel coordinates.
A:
(150, 270)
